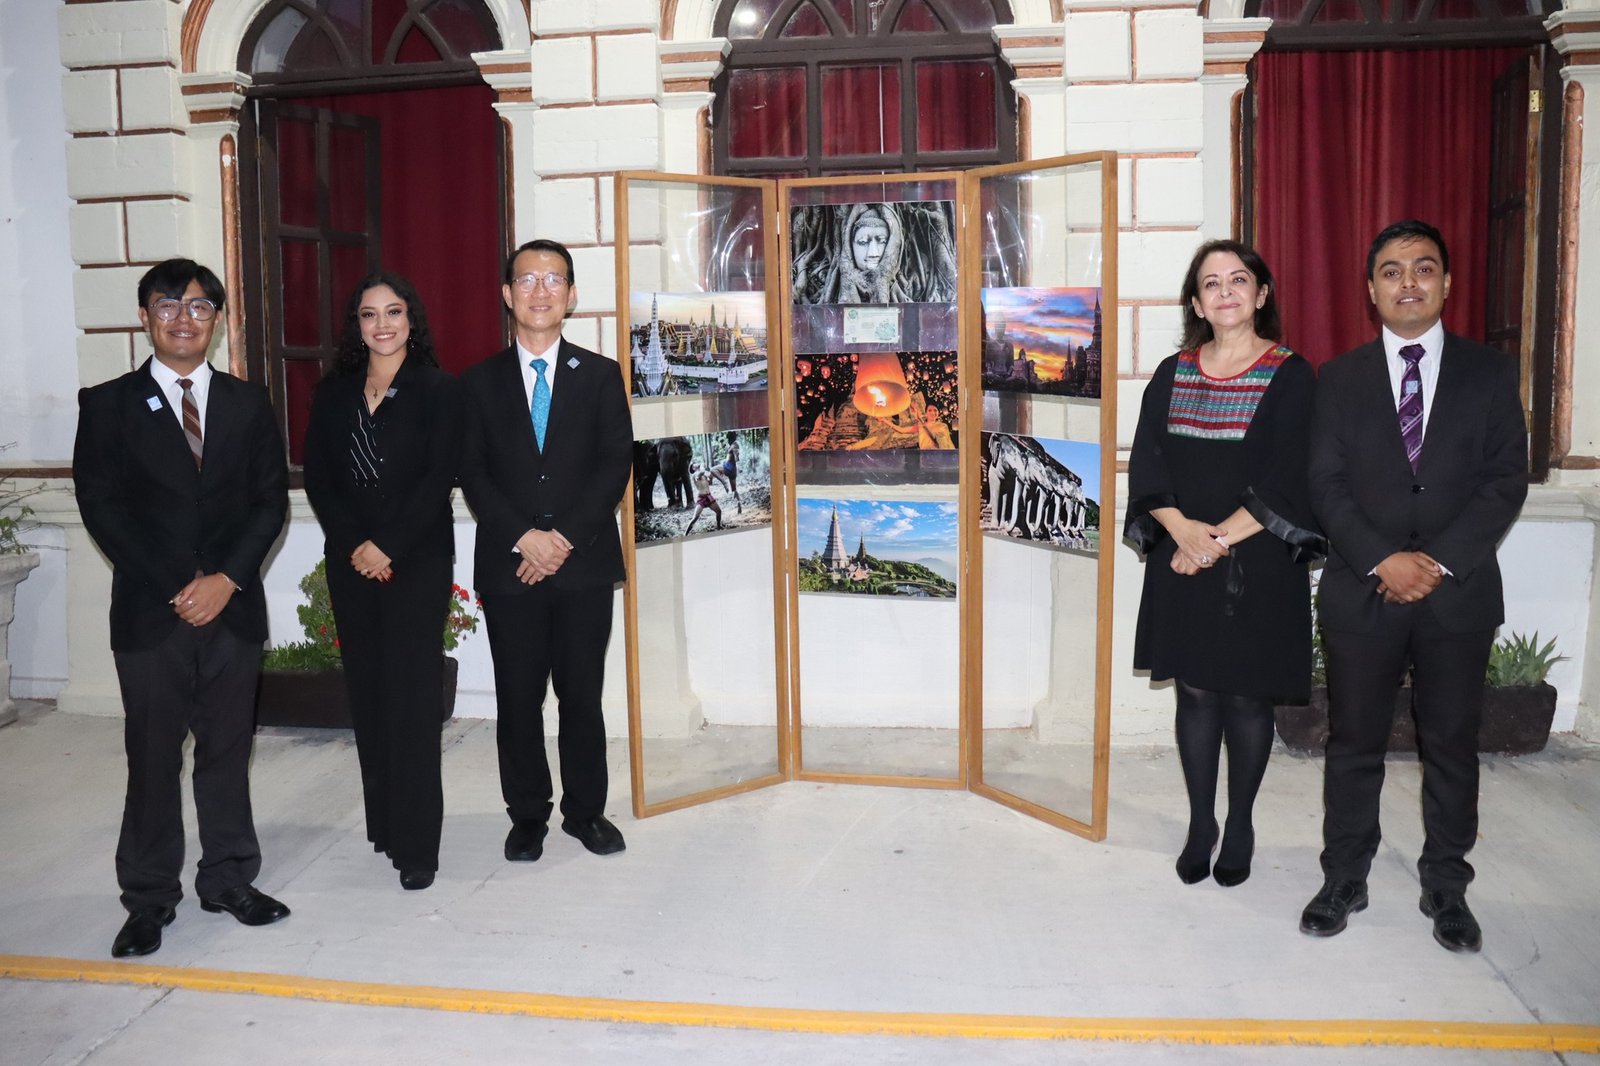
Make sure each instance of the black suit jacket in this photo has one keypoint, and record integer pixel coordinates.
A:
(573, 486)
(419, 437)
(1469, 485)
(159, 520)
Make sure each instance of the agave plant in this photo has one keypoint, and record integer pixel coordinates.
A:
(1519, 661)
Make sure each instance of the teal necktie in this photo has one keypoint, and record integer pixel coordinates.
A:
(541, 401)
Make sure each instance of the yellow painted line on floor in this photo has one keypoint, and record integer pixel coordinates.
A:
(1223, 1031)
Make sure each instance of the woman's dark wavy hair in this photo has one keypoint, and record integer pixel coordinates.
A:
(1196, 330)
(351, 356)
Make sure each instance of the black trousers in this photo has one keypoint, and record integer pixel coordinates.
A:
(201, 681)
(390, 637)
(1364, 670)
(537, 638)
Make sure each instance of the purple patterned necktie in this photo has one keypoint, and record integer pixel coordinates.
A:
(1410, 410)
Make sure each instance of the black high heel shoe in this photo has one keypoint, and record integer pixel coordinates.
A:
(1229, 875)
(1194, 862)
(413, 880)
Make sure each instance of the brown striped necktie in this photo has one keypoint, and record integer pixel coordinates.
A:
(191, 420)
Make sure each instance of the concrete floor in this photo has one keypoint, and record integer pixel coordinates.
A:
(824, 897)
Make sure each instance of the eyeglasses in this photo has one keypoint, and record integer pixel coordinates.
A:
(200, 309)
(552, 282)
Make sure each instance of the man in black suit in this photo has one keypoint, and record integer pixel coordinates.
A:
(1418, 468)
(181, 481)
(548, 451)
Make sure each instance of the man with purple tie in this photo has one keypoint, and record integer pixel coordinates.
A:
(1418, 469)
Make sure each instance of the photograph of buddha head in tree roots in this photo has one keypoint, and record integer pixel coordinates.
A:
(705, 483)
(873, 253)
(876, 401)
(1041, 490)
(878, 547)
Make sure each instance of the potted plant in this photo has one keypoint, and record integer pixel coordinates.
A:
(302, 682)
(1518, 703)
(16, 561)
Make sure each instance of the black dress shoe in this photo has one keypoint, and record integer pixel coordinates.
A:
(1194, 862)
(597, 834)
(1454, 927)
(141, 933)
(246, 903)
(412, 880)
(525, 842)
(1229, 871)
(1329, 910)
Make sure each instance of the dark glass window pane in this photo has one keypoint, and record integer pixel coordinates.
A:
(970, 15)
(302, 294)
(349, 267)
(300, 377)
(1287, 11)
(417, 48)
(750, 18)
(312, 50)
(861, 110)
(276, 40)
(917, 17)
(1453, 9)
(386, 16)
(347, 180)
(1340, 11)
(805, 22)
(846, 10)
(297, 172)
(955, 105)
(459, 23)
(346, 18)
(767, 113)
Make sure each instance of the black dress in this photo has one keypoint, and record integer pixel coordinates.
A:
(386, 477)
(1242, 626)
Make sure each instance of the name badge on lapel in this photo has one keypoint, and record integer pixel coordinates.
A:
(154, 402)
(573, 362)
(389, 395)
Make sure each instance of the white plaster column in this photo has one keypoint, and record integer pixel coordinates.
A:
(1037, 57)
(687, 71)
(1229, 46)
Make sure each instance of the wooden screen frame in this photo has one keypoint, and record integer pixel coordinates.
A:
(972, 402)
(791, 446)
(782, 562)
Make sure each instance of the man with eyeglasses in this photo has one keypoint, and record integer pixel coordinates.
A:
(180, 478)
(548, 451)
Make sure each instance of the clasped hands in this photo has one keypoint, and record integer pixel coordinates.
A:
(369, 560)
(543, 551)
(1406, 577)
(1200, 546)
(202, 600)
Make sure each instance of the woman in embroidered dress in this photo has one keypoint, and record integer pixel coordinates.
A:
(1218, 504)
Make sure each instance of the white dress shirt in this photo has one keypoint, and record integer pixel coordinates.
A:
(1432, 353)
(549, 357)
(166, 380)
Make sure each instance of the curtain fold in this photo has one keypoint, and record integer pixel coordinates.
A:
(1348, 142)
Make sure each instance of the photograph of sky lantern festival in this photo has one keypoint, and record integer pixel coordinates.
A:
(878, 547)
(1041, 490)
(1042, 341)
(698, 342)
(876, 401)
(703, 483)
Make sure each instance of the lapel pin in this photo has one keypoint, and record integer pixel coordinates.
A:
(390, 394)
(573, 362)
(154, 402)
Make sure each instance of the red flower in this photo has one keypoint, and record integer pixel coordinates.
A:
(322, 629)
(335, 642)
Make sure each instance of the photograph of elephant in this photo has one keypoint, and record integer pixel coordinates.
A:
(873, 253)
(1042, 341)
(876, 401)
(705, 483)
(1041, 490)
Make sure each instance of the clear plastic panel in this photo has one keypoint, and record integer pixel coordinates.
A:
(707, 672)
(874, 329)
(1043, 479)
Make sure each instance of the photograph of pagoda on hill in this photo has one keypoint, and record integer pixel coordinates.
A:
(1042, 490)
(1042, 341)
(697, 342)
(876, 401)
(878, 547)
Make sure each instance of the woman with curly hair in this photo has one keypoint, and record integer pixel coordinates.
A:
(380, 462)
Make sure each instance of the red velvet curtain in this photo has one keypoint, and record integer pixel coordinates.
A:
(1348, 142)
(441, 211)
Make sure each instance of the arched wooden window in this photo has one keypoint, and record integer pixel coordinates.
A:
(370, 140)
(1399, 23)
(849, 86)
(418, 41)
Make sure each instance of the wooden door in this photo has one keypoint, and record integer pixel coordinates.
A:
(1513, 214)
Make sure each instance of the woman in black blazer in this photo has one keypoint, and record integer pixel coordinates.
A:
(380, 462)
